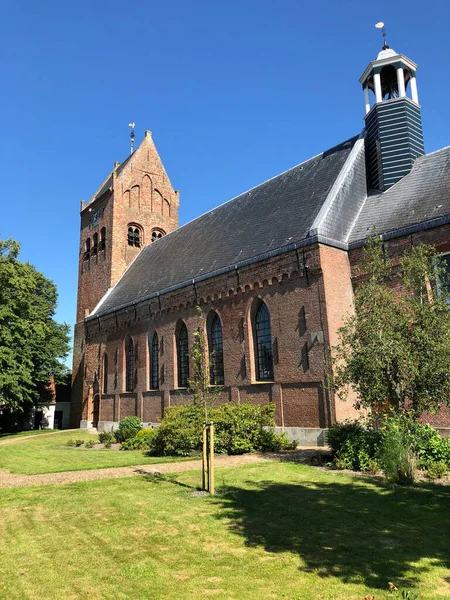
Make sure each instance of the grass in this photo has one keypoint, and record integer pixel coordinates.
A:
(274, 531)
(49, 454)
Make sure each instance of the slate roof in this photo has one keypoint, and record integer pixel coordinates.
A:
(268, 217)
(422, 195)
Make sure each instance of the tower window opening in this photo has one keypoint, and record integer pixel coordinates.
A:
(157, 234)
(95, 246)
(87, 249)
(102, 238)
(389, 83)
(134, 237)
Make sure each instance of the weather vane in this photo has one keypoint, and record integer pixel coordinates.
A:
(381, 26)
(132, 125)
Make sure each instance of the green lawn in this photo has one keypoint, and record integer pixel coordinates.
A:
(274, 531)
(49, 454)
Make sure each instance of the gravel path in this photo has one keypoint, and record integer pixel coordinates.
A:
(8, 480)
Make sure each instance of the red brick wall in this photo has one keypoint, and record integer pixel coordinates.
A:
(293, 298)
(338, 306)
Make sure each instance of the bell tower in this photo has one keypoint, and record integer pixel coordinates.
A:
(135, 206)
(394, 137)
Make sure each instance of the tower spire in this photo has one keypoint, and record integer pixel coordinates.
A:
(394, 137)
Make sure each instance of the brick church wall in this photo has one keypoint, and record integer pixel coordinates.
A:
(293, 296)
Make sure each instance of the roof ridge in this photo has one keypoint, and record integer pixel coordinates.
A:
(337, 185)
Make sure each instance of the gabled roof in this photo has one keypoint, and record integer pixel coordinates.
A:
(107, 184)
(267, 218)
(421, 196)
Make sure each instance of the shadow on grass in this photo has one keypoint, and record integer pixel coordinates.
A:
(359, 532)
(164, 478)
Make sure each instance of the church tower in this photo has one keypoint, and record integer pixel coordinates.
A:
(394, 137)
(134, 206)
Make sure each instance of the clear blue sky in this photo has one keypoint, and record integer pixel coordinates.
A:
(234, 92)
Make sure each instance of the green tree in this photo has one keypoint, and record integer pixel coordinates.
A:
(32, 344)
(395, 349)
(204, 395)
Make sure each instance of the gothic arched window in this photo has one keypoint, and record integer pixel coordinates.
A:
(182, 355)
(263, 344)
(215, 351)
(105, 373)
(129, 365)
(154, 362)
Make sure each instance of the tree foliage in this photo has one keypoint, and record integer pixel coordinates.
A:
(203, 394)
(395, 349)
(32, 344)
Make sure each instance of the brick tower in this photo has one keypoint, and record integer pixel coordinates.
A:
(133, 207)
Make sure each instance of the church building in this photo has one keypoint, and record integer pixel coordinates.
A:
(272, 270)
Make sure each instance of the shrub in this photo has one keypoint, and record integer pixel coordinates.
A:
(70, 442)
(437, 470)
(106, 436)
(78, 443)
(142, 441)
(434, 449)
(397, 444)
(128, 428)
(396, 454)
(90, 443)
(238, 428)
(354, 444)
(414, 441)
(269, 441)
(180, 432)
(107, 444)
(145, 432)
(373, 466)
